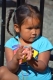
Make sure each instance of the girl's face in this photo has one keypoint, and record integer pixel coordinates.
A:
(30, 29)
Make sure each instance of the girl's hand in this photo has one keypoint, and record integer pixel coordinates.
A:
(28, 53)
(19, 53)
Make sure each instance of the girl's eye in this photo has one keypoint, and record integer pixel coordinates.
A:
(37, 27)
(29, 28)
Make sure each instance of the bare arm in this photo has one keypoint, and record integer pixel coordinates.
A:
(12, 63)
(42, 62)
(13, 60)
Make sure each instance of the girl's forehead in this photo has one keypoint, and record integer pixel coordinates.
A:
(31, 21)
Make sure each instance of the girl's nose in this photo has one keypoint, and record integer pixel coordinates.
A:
(33, 31)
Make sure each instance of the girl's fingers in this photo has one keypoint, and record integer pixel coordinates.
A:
(21, 49)
(29, 55)
(25, 52)
(19, 53)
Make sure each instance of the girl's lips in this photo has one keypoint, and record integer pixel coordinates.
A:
(33, 37)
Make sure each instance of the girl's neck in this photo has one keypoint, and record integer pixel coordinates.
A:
(24, 43)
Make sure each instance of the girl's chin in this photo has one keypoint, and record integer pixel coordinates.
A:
(30, 41)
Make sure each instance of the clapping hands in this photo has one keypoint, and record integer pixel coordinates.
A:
(24, 54)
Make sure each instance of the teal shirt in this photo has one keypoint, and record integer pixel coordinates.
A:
(27, 72)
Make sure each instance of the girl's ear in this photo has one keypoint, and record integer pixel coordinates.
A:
(16, 27)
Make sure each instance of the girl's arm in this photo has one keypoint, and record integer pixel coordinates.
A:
(42, 62)
(13, 59)
(12, 63)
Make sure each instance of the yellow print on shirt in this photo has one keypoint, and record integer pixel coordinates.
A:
(35, 53)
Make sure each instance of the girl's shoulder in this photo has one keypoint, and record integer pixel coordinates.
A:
(42, 44)
(12, 41)
(44, 40)
(41, 40)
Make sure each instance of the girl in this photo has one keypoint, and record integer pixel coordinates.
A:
(27, 26)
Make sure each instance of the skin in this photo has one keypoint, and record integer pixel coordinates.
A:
(5, 74)
(29, 30)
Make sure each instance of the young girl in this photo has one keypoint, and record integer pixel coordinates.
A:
(26, 44)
